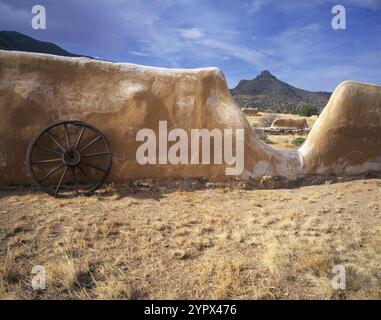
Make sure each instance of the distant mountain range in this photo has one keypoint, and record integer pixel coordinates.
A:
(12, 40)
(269, 94)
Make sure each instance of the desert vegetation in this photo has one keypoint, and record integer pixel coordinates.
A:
(298, 141)
(307, 110)
(284, 141)
(134, 242)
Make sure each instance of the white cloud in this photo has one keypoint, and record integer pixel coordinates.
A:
(139, 54)
(191, 34)
(254, 6)
(296, 46)
(186, 33)
(369, 4)
(306, 58)
(13, 17)
(162, 39)
(249, 55)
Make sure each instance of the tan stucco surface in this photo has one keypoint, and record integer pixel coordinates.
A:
(289, 123)
(346, 138)
(120, 99)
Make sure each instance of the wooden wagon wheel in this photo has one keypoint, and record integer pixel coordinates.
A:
(69, 158)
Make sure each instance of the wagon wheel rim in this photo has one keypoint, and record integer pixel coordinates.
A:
(69, 158)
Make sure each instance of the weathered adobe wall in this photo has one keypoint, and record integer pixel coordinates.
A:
(346, 138)
(289, 123)
(250, 111)
(120, 99)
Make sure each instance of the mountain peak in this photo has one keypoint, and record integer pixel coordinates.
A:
(266, 73)
(267, 93)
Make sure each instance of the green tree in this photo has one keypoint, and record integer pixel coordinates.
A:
(308, 110)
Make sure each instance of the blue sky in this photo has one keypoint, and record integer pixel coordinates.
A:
(293, 39)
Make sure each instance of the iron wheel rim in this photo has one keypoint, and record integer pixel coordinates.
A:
(64, 151)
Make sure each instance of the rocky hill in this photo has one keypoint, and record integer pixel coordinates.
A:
(12, 40)
(268, 93)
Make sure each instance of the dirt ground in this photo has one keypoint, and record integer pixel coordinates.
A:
(135, 243)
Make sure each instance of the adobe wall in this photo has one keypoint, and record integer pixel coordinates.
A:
(120, 99)
(346, 138)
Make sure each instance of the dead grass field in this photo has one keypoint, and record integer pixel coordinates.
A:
(129, 243)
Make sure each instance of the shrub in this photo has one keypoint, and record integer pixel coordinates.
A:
(266, 139)
(298, 141)
(307, 110)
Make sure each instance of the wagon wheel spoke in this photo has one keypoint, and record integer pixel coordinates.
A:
(46, 161)
(79, 137)
(55, 141)
(51, 172)
(95, 154)
(67, 136)
(60, 182)
(90, 143)
(85, 174)
(47, 149)
(93, 166)
(75, 179)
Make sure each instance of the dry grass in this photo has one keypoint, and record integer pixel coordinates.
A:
(216, 244)
(283, 142)
(266, 119)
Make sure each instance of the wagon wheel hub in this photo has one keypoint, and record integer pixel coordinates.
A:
(71, 157)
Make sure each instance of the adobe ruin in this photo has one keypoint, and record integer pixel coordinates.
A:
(120, 99)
